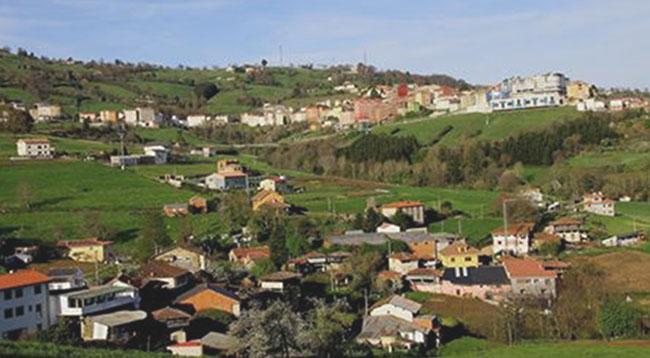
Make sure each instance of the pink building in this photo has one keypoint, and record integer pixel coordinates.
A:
(373, 110)
(489, 283)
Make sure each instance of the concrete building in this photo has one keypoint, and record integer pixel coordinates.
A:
(569, 229)
(24, 306)
(414, 209)
(528, 277)
(109, 116)
(89, 250)
(117, 326)
(45, 112)
(579, 91)
(93, 300)
(124, 160)
(34, 148)
(598, 204)
(142, 117)
(544, 90)
(515, 240)
(226, 181)
(159, 152)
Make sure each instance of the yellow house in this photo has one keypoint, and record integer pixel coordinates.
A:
(267, 199)
(89, 250)
(577, 91)
(459, 254)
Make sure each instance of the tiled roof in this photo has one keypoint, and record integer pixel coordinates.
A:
(515, 229)
(403, 256)
(280, 276)
(166, 313)
(34, 140)
(423, 271)
(568, 221)
(525, 267)
(231, 174)
(81, 243)
(542, 237)
(403, 204)
(187, 344)
(388, 274)
(200, 288)
(219, 341)
(22, 278)
(459, 248)
(376, 327)
(158, 269)
(255, 253)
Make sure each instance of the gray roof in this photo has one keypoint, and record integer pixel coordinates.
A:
(176, 206)
(219, 341)
(358, 239)
(98, 291)
(401, 302)
(63, 271)
(119, 318)
(375, 327)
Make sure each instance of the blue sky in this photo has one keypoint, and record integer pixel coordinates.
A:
(482, 41)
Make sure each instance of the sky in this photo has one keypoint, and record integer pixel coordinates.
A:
(482, 41)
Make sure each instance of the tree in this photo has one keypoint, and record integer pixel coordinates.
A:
(153, 235)
(372, 220)
(15, 121)
(618, 319)
(403, 220)
(278, 246)
(264, 62)
(206, 90)
(296, 242)
(326, 329)
(272, 332)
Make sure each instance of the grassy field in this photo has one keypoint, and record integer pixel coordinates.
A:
(70, 146)
(477, 125)
(475, 348)
(632, 216)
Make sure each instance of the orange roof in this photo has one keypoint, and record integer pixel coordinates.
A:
(388, 274)
(232, 174)
(424, 271)
(459, 248)
(254, 253)
(403, 204)
(22, 278)
(34, 140)
(403, 256)
(515, 229)
(81, 243)
(568, 221)
(525, 267)
(187, 344)
(545, 237)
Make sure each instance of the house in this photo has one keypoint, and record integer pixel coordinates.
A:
(424, 279)
(414, 209)
(158, 152)
(397, 306)
(544, 238)
(66, 279)
(280, 281)
(186, 349)
(218, 343)
(87, 117)
(489, 283)
(528, 277)
(108, 116)
(198, 204)
(227, 180)
(627, 239)
(268, 200)
(172, 318)
(403, 262)
(277, 184)
(459, 254)
(173, 277)
(515, 239)
(34, 148)
(569, 229)
(142, 117)
(124, 160)
(88, 250)
(45, 112)
(322, 262)
(386, 228)
(185, 258)
(373, 110)
(172, 210)
(393, 322)
(598, 204)
(207, 296)
(118, 326)
(197, 120)
(23, 303)
(93, 300)
(577, 91)
(229, 165)
(249, 256)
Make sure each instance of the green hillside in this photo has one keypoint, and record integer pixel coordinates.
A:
(497, 125)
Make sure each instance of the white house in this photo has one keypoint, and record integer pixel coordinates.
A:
(159, 152)
(92, 301)
(114, 326)
(34, 148)
(396, 306)
(514, 240)
(66, 279)
(388, 228)
(197, 120)
(23, 303)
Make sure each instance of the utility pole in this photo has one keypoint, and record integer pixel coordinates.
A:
(460, 226)
(505, 218)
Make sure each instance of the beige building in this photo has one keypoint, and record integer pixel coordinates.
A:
(108, 116)
(414, 209)
(45, 112)
(34, 148)
(578, 91)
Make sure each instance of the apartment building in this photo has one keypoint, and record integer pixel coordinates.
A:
(23, 303)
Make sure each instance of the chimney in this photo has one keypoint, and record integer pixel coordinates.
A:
(464, 271)
(457, 270)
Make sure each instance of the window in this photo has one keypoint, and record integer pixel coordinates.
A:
(20, 311)
(38, 308)
(8, 294)
(9, 313)
(38, 289)
(467, 259)
(19, 292)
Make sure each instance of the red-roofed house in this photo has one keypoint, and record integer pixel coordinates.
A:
(34, 148)
(89, 250)
(514, 240)
(249, 256)
(403, 263)
(187, 349)
(412, 208)
(528, 277)
(598, 204)
(23, 303)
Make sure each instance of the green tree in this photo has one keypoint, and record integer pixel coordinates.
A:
(206, 90)
(262, 268)
(278, 246)
(326, 329)
(15, 121)
(403, 220)
(153, 235)
(372, 220)
(618, 319)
